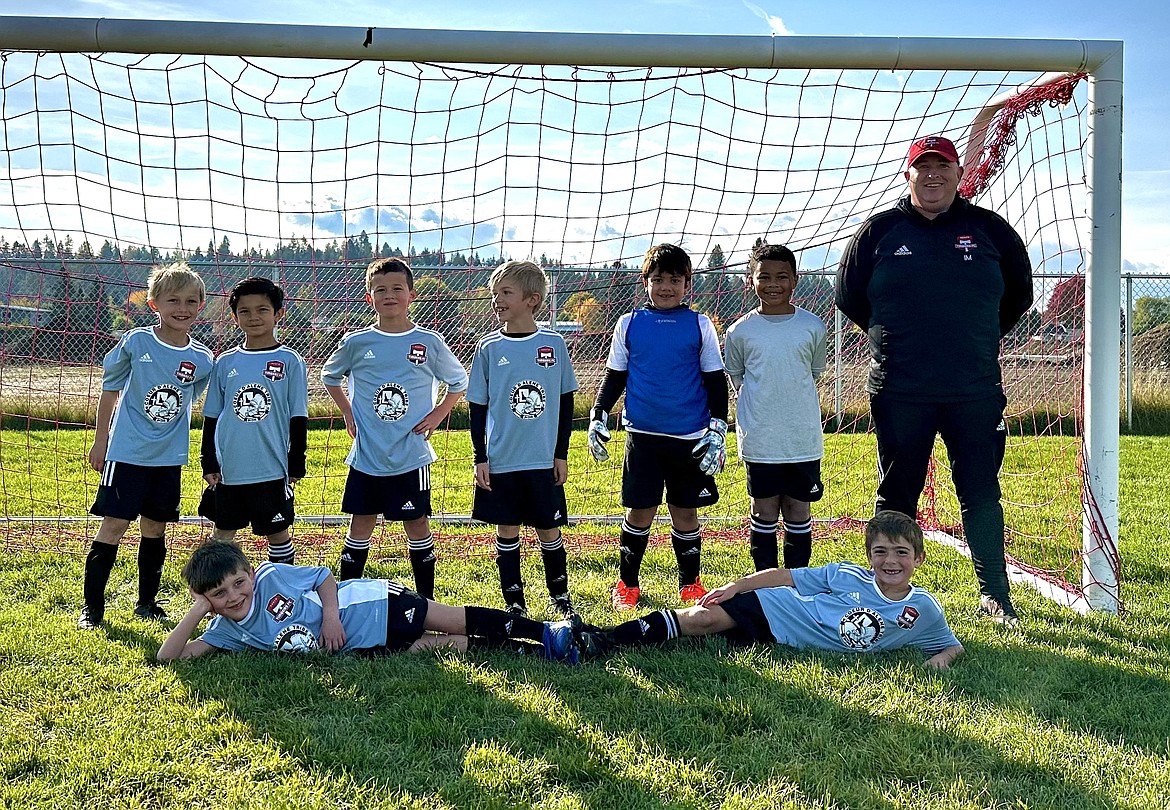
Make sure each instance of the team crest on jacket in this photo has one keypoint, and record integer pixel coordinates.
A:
(546, 357)
(527, 399)
(296, 638)
(163, 403)
(417, 353)
(279, 607)
(185, 373)
(907, 617)
(965, 243)
(860, 628)
(252, 403)
(274, 370)
(391, 402)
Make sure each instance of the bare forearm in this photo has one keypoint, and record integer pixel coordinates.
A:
(944, 659)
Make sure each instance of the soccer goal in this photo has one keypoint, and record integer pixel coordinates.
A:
(300, 153)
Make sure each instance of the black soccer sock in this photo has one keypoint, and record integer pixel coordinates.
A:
(556, 566)
(508, 561)
(281, 552)
(422, 563)
(688, 547)
(353, 558)
(634, 541)
(763, 544)
(496, 625)
(653, 628)
(98, 564)
(152, 553)
(797, 544)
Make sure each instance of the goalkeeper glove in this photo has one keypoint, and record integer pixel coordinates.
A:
(711, 449)
(598, 435)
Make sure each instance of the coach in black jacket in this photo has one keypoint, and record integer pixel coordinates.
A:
(937, 282)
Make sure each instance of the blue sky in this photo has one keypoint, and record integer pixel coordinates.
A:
(1143, 27)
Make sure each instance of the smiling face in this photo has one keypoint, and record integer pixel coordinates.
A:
(666, 290)
(390, 295)
(514, 310)
(177, 311)
(257, 319)
(232, 597)
(773, 282)
(893, 561)
(933, 182)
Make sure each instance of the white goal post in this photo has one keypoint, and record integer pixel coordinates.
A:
(1100, 60)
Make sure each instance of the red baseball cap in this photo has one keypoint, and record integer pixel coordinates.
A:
(933, 144)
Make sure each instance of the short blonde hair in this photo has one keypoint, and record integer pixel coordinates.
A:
(171, 278)
(527, 276)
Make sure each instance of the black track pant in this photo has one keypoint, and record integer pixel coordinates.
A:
(975, 437)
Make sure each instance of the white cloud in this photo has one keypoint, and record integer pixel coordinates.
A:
(775, 23)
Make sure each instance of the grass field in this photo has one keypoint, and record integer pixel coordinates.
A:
(1069, 712)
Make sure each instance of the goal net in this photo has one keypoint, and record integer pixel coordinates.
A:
(303, 170)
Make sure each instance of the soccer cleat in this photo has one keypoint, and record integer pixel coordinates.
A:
(693, 592)
(623, 597)
(592, 641)
(90, 619)
(999, 610)
(517, 609)
(151, 612)
(563, 605)
(559, 642)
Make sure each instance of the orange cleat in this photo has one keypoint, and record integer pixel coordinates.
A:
(623, 597)
(693, 592)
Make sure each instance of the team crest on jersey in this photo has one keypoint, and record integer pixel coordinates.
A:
(391, 402)
(545, 356)
(163, 403)
(527, 399)
(417, 353)
(252, 403)
(965, 243)
(280, 607)
(860, 628)
(274, 370)
(185, 373)
(296, 638)
(907, 617)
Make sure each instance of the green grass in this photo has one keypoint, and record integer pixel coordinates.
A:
(1070, 712)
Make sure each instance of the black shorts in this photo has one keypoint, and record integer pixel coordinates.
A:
(267, 505)
(750, 622)
(653, 462)
(522, 498)
(406, 496)
(800, 480)
(130, 490)
(406, 617)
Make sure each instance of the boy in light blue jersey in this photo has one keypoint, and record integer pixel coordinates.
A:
(665, 357)
(521, 403)
(394, 369)
(150, 380)
(774, 356)
(299, 609)
(841, 607)
(255, 424)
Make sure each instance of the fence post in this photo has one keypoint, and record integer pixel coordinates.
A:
(1129, 352)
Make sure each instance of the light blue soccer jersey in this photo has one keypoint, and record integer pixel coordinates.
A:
(286, 612)
(839, 607)
(521, 380)
(158, 383)
(393, 383)
(253, 394)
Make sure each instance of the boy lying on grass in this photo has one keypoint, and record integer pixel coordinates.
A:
(841, 607)
(293, 608)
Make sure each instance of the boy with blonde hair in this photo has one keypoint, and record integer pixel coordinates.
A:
(394, 369)
(521, 403)
(150, 380)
